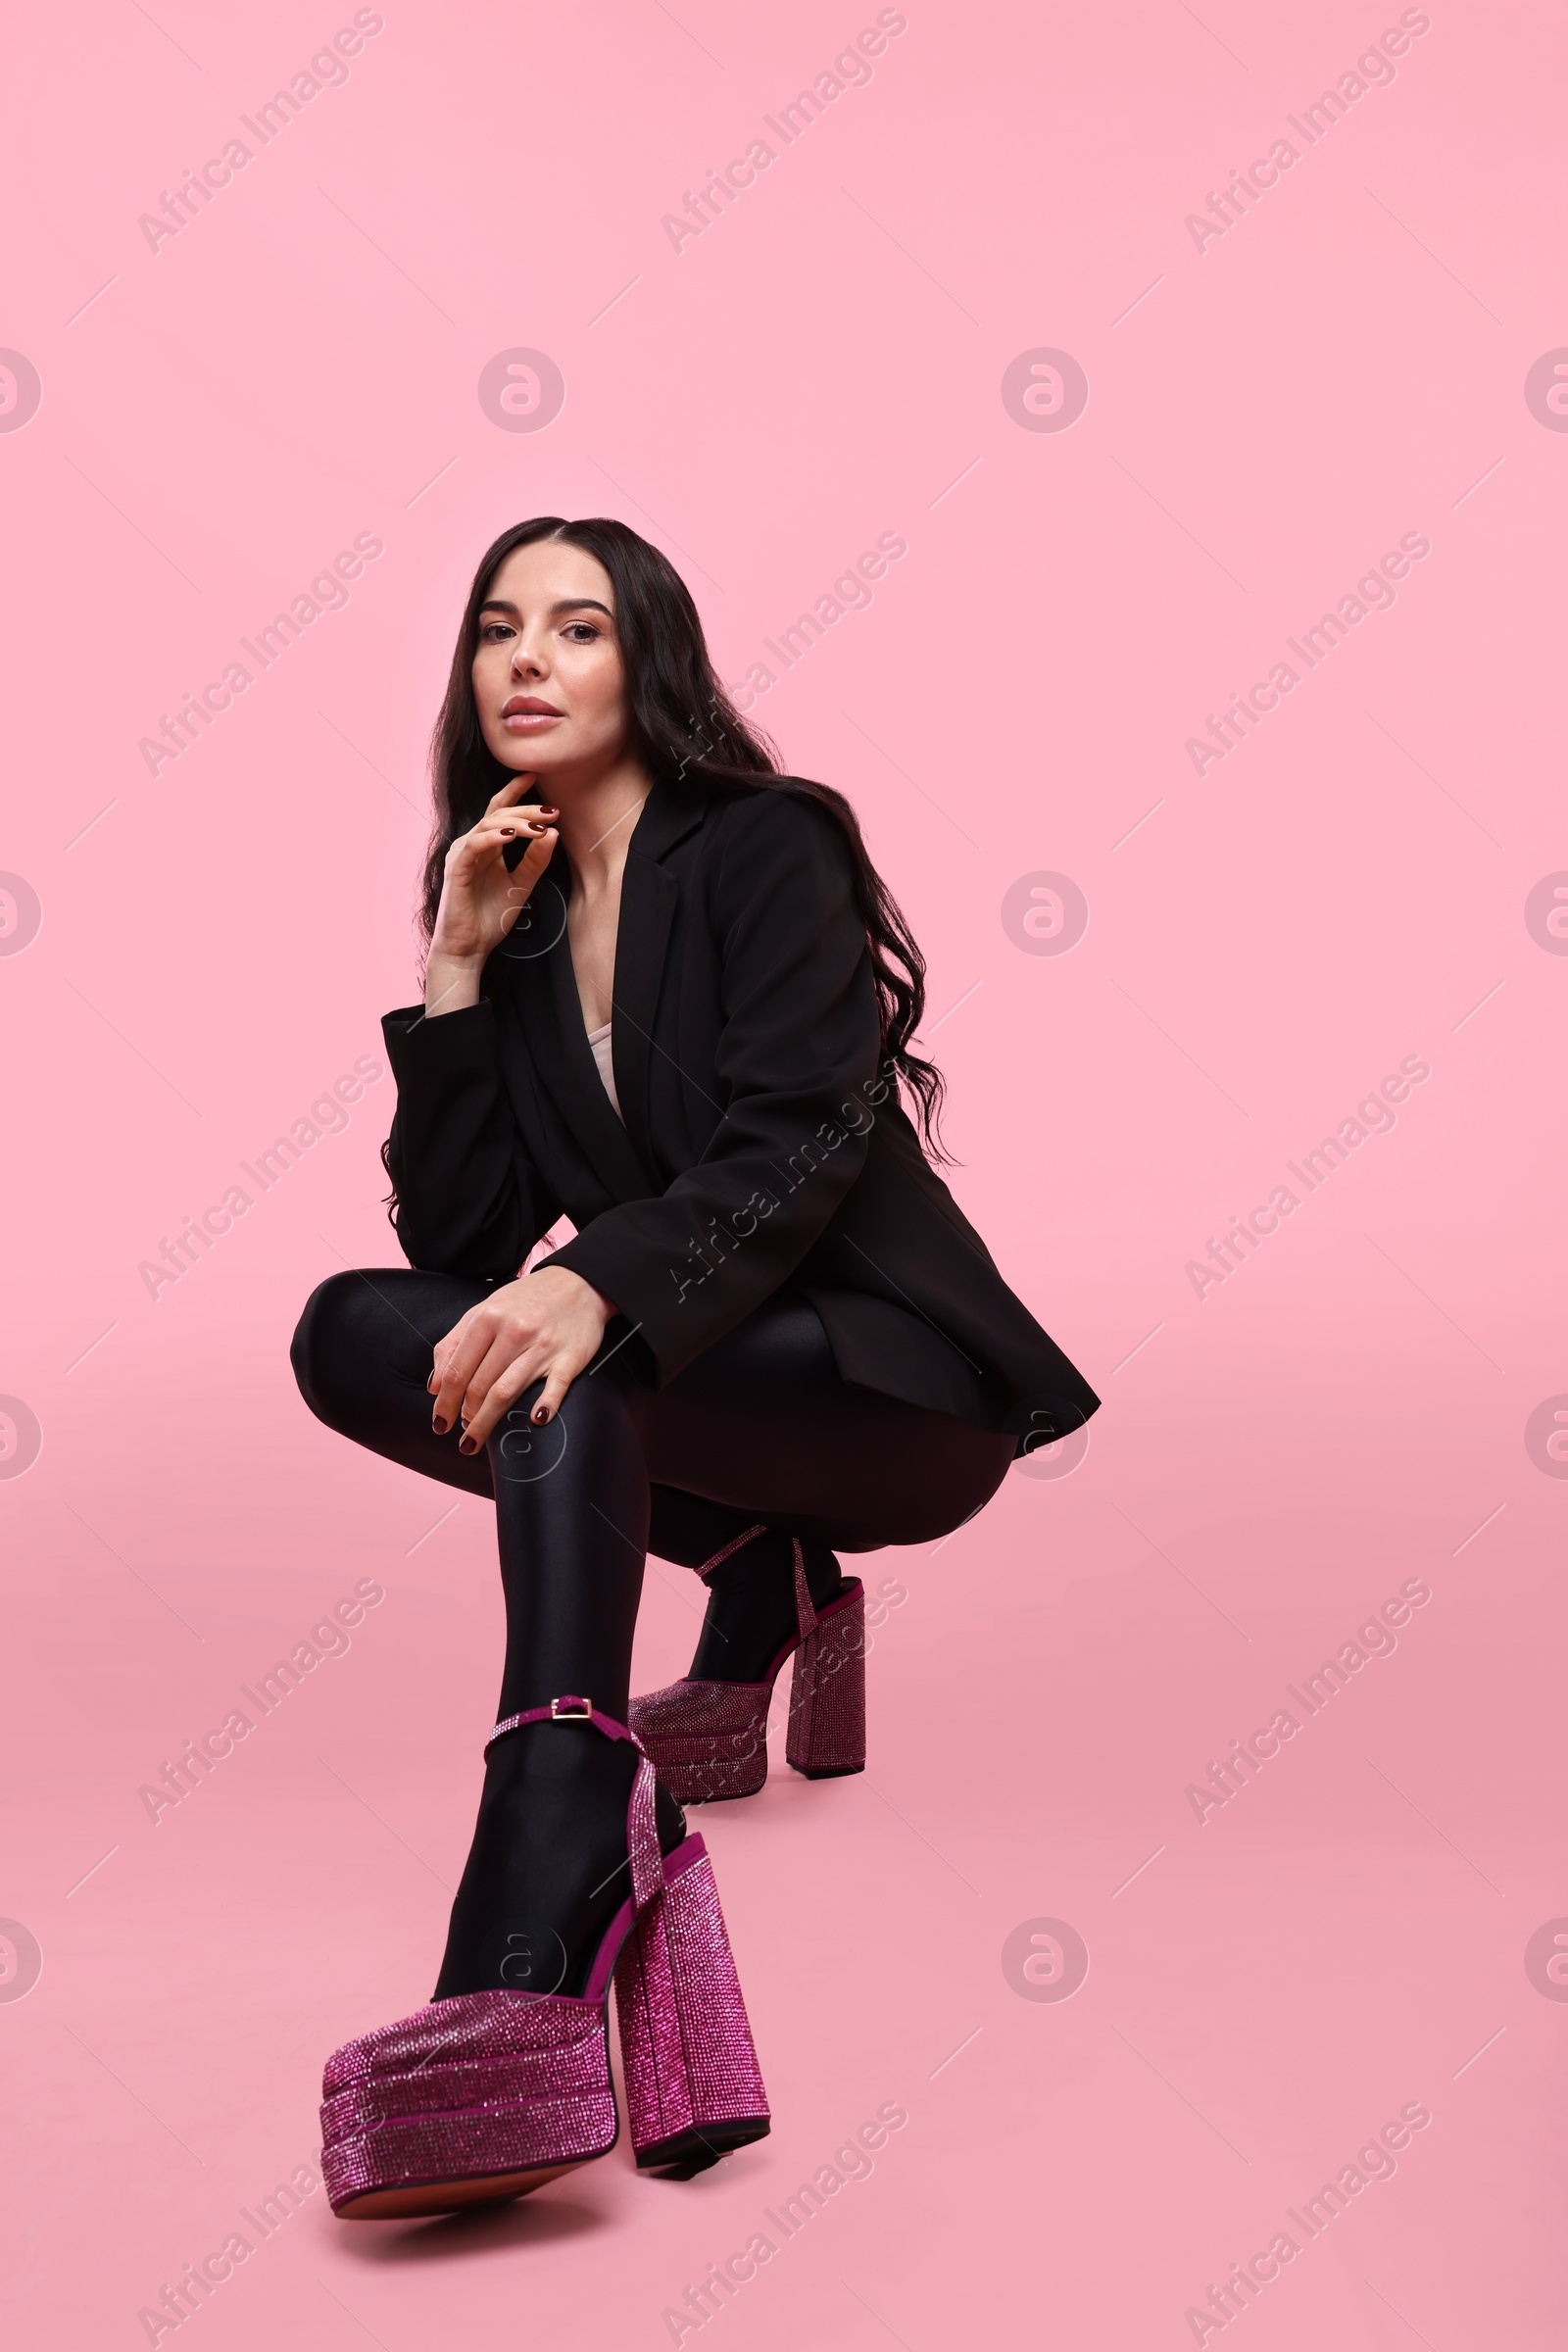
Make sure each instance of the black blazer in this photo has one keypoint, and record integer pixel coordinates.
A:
(763, 1141)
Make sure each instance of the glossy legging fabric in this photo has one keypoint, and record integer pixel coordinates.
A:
(760, 1427)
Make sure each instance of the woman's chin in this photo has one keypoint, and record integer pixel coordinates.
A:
(525, 759)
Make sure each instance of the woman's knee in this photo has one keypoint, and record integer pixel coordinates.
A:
(596, 1405)
(592, 1424)
(363, 1329)
(328, 1340)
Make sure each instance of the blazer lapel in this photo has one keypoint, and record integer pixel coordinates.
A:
(536, 959)
(649, 893)
(550, 1033)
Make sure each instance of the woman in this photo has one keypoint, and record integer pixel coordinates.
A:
(667, 995)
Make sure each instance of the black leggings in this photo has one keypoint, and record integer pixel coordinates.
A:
(760, 1427)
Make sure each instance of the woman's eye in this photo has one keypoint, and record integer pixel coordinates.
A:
(493, 631)
(581, 633)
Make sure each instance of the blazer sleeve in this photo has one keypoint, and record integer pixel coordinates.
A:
(796, 1062)
(469, 1201)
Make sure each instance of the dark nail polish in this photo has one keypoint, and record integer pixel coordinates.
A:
(541, 1413)
(439, 1426)
(468, 1444)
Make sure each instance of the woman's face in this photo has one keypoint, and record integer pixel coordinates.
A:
(547, 677)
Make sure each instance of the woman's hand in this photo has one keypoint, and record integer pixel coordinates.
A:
(548, 1323)
(480, 900)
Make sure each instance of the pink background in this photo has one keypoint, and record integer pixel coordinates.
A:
(823, 363)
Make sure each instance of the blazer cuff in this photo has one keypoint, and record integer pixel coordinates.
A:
(597, 1266)
(451, 1042)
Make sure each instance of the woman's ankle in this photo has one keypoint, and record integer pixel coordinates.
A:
(751, 1608)
(547, 1870)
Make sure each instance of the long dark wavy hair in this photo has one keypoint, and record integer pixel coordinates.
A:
(683, 725)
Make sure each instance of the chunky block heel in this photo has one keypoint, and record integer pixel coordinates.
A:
(708, 1740)
(827, 1698)
(693, 2088)
(490, 2095)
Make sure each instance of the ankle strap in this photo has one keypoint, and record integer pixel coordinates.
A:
(568, 1708)
(642, 1849)
(734, 1545)
(804, 1607)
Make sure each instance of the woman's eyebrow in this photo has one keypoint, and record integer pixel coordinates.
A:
(570, 604)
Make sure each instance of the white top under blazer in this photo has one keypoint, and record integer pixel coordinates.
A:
(599, 1040)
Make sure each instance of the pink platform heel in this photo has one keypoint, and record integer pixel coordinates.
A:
(491, 2095)
(708, 1740)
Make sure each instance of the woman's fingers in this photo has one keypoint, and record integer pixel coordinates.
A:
(512, 822)
(508, 821)
(512, 787)
(507, 1347)
(488, 1348)
(486, 841)
(521, 877)
(564, 1364)
(557, 1380)
(545, 1325)
(454, 1337)
(482, 895)
(444, 1411)
(464, 1348)
(500, 1395)
(441, 1352)
(559, 1371)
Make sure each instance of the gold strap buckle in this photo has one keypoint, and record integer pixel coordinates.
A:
(570, 1710)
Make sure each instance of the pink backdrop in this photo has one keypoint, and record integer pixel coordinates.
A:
(890, 329)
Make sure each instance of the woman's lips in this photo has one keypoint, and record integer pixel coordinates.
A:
(529, 723)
